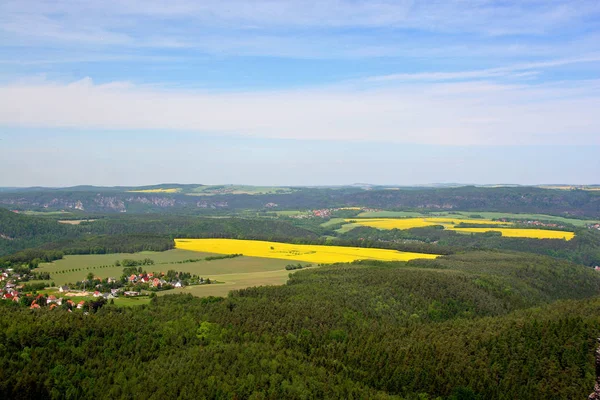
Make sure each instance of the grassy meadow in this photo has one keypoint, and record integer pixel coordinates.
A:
(234, 281)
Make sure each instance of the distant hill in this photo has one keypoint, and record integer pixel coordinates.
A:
(195, 199)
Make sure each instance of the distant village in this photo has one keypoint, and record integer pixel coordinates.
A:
(21, 287)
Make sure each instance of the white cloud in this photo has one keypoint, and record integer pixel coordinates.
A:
(512, 71)
(443, 113)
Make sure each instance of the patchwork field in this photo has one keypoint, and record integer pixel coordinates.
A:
(77, 267)
(295, 252)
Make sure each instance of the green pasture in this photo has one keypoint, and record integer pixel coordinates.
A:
(234, 282)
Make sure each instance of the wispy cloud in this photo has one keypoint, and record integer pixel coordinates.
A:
(517, 70)
(187, 23)
(447, 113)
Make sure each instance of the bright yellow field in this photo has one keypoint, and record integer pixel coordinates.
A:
(407, 223)
(449, 223)
(297, 252)
(524, 233)
(172, 190)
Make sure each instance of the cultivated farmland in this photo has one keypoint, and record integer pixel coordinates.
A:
(451, 224)
(295, 252)
(77, 267)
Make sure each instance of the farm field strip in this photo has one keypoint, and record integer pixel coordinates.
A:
(523, 233)
(466, 216)
(407, 223)
(295, 252)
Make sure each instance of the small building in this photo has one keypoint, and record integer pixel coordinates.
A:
(63, 289)
(178, 284)
(80, 305)
(132, 293)
(97, 294)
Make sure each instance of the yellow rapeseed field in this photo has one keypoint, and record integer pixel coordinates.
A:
(450, 223)
(524, 233)
(296, 252)
(407, 223)
(172, 190)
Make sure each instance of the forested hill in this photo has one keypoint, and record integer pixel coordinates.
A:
(130, 233)
(19, 231)
(473, 326)
(575, 203)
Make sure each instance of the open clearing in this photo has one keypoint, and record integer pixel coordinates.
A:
(296, 252)
(234, 272)
(74, 221)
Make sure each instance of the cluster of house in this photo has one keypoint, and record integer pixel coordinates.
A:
(52, 302)
(594, 226)
(11, 286)
(151, 280)
(9, 275)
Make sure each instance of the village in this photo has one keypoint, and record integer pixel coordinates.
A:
(93, 292)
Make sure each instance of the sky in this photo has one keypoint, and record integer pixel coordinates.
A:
(327, 92)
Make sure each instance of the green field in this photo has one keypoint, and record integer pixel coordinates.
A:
(235, 281)
(332, 221)
(467, 214)
(290, 213)
(45, 213)
(235, 273)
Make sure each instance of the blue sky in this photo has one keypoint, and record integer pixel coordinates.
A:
(299, 92)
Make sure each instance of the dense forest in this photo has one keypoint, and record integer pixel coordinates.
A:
(134, 233)
(482, 325)
(574, 203)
